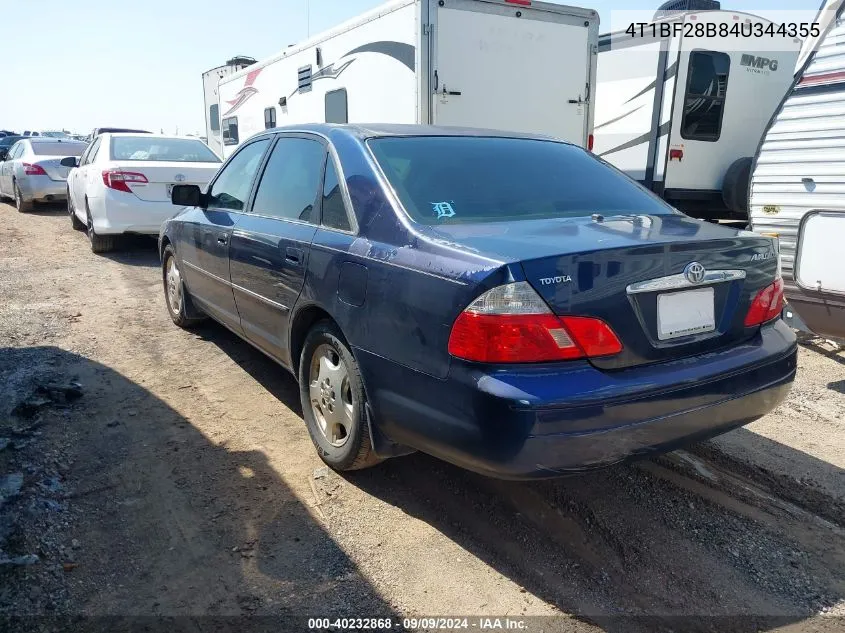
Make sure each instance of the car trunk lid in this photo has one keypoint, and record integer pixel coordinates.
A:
(161, 176)
(53, 168)
(630, 272)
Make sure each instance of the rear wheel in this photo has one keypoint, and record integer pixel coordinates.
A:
(22, 205)
(333, 400)
(99, 243)
(179, 304)
(75, 222)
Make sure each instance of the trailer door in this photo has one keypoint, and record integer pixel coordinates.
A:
(525, 74)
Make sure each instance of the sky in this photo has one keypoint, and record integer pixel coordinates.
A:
(82, 64)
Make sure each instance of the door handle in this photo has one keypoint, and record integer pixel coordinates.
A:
(222, 239)
(294, 256)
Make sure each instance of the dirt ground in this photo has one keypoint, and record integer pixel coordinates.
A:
(151, 472)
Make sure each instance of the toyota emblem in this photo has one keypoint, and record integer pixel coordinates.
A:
(694, 272)
(179, 178)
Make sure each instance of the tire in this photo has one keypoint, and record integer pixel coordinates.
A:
(179, 304)
(22, 205)
(99, 243)
(334, 411)
(75, 222)
(735, 187)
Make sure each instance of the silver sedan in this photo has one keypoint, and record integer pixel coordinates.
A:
(32, 170)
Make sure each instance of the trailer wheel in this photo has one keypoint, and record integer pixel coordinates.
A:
(735, 187)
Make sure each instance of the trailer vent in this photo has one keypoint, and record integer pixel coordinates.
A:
(667, 8)
(305, 79)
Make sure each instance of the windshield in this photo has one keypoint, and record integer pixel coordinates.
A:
(8, 141)
(465, 179)
(58, 149)
(182, 150)
(55, 134)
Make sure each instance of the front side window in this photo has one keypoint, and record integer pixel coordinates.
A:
(288, 187)
(269, 118)
(214, 117)
(230, 131)
(157, 149)
(473, 179)
(334, 210)
(337, 110)
(704, 101)
(232, 186)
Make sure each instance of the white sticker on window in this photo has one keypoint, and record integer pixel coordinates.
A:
(443, 209)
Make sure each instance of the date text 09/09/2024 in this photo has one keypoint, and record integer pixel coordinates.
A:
(665, 30)
(428, 623)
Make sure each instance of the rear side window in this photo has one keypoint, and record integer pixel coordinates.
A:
(155, 148)
(230, 131)
(232, 186)
(214, 117)
(466, 179)
(58, 149)
(334, 211)
(704, 101)
(336, 107)
(288, 188)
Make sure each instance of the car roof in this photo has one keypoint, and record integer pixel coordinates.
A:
(365, 131)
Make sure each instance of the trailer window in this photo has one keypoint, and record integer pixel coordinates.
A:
(230, 131)
(304, 79)
(704, 101)
(269, 118)
(214, 117)
(336, 107)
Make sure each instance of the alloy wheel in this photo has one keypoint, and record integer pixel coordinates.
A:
(331, 396)
(174, 286)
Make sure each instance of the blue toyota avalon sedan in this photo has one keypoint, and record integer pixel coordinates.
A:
(510, 304)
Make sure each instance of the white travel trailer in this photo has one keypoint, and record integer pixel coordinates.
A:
(683, 115)
(210, 80)
(514, 65)
(798, 182)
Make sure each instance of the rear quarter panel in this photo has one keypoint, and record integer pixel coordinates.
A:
(414, 286)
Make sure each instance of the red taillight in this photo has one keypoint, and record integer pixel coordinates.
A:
(767, 305)
(590, 140)
(33, 170)
(512, 324)
(522, 3)
(118, 180)
(676, 154)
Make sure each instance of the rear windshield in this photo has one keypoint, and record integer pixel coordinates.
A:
(180, 150)
(452, 180)
(58, 149)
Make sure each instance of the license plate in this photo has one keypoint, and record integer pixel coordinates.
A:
(684, 313)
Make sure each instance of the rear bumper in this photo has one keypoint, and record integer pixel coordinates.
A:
(545, 421)
(118, 212)
(42, 188)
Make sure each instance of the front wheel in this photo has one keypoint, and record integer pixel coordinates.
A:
(333, 400)
(179, 304)
(75, 222)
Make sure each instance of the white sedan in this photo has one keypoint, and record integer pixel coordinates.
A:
(122, 183)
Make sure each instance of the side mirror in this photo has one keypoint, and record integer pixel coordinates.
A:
(4, 154)
(187, 196)
(69, 161)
